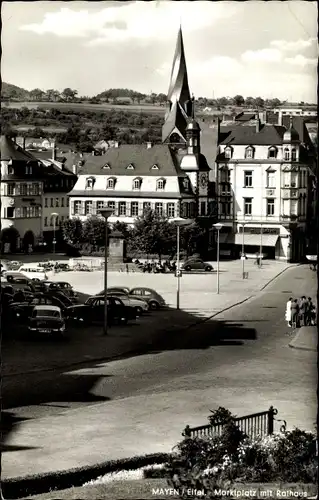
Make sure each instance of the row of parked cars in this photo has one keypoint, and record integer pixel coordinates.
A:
(49, 307)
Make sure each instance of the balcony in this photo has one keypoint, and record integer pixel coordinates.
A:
(271, 192)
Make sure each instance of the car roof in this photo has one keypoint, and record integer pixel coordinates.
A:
(46, 307)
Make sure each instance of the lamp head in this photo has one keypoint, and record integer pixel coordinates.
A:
(218, 226)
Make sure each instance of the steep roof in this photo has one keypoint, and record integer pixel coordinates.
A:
(10, 150)
(299, 124)
(141, 157)
(178, 88)
(176, 118)
(267, 136)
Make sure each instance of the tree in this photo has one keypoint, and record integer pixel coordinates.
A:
(69, 94)
(52, 95)
(239, 100)
(94, 230)
(162, 98)
(190, 237)
(123, 228)
(36, 94)
(72, 231)
(259, 102)
(152, 234)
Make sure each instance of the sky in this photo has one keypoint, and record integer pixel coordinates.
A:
(251, 48)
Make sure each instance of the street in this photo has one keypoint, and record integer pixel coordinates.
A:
(242, 361)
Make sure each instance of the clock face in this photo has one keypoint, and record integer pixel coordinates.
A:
(203, 180)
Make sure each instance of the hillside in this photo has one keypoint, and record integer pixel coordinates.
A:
(9, 91)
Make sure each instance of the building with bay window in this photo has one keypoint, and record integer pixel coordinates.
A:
(262, 174)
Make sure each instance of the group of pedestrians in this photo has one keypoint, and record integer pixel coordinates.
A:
(300, 312)
(156, 267)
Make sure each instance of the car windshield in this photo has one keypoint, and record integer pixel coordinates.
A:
(46, 312)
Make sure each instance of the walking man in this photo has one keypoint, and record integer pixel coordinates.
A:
(295, 313)
(303, 307)
(288, 312)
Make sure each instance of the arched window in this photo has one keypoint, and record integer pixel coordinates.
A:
(249, 152)
(160, 184)
(175, 138)
(137, 183)
(90, 181)
(228, 152)
(272, 152)
(287, 154)
(111, 183)
(293, 155)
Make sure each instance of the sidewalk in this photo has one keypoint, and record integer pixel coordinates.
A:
(117, 430)
(306, 339)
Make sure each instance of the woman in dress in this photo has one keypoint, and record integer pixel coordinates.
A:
(288, 312)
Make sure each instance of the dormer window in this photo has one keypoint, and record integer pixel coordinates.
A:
(28, 170)
(186, 184)
(137, 183)
(155, 167)
(10, 170)
(272, 152)
(130, 166)
(111, 183)
(287, 154)
(228, 152)
(293, 155)
(249, 153)
(160, 184)
(90, 181)
(106, 167)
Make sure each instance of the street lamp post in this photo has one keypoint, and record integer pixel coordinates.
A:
(105, 212)
(218, 226)
(54, 216)
(179, 221)
(243, 250)
(261, 246)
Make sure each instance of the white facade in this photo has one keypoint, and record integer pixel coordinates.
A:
(54, 203)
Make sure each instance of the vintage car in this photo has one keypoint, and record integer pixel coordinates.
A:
(93, 310)
(48, 320)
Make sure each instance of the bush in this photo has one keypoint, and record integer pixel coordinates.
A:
(216, 462)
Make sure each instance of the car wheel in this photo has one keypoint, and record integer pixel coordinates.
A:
(208, 268)
(188, 268)
(139, 311)
(154, 305)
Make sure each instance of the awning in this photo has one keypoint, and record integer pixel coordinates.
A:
(267, 240)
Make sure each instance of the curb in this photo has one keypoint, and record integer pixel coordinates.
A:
(21, 487)
(137, 351)
(301, 348)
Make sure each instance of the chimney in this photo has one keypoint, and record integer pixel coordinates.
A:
(257, 124)
(148, 145)
(280, 118)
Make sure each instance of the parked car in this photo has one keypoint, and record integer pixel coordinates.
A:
(36, 272)
(93, 311)
(46, 319)
(64, 286)
(140, 306)
(196, 264)
(154, 299)
(22, 310)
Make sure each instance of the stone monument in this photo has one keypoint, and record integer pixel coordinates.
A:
(116, 247)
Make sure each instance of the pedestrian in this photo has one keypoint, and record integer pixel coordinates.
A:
(303, 309)
(295, 313)
(311, 312)
(288, 312)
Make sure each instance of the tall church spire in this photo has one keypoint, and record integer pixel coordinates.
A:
(179, 97)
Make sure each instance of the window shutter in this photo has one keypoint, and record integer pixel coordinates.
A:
(128, 208)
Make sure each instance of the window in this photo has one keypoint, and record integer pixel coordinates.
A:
(130, 166)
(35, 189)
(137, 183)
(10, 212)
(111, 205)
(88, 207)
(248, 202)
(122, 208)
(10, 170)
(45, 221)
(249, 153)
(159, 208)
(224, 175)
(248, 178)
(272, 152)
(99, 205)
(271, 179)
(228, 152)
(170, 209)
(134, 208)
(77, 207)
(10, 189)
(68, 202)
(203, 207)
(293, 182)
(51, 202)
(111, 183)
(160, 183)
(286, 179)
(287, 154)
(62, 202)
(46, 202)
(294, 207)
(270, 206)
(57, 202)
(146, 206)
(155, 167)
(24, 212)
(225, 208)
(23, 189)
(90, 181)
(293, 155)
